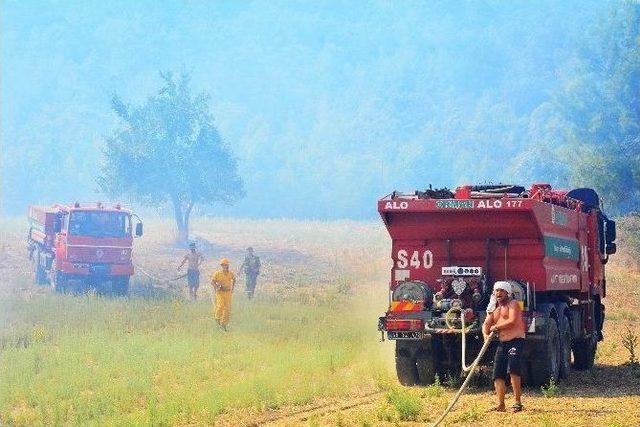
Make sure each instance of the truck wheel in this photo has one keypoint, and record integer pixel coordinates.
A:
(121, 286)
(546, 363)
(60, 284)
(565, 349)
(584, 352)
(426, 364)
(58, 280)
(80, 288)
(406, 367)
(39, 274)
(527, 379)
(447, 352)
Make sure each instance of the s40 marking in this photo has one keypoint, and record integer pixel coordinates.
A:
(415, 259)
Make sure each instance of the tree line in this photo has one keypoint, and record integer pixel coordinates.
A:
(332, 116)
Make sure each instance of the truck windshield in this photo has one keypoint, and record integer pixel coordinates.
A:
(99, 224)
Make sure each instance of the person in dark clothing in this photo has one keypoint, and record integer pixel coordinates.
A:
(251, 268)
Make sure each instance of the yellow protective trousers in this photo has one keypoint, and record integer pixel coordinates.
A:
(222, 311)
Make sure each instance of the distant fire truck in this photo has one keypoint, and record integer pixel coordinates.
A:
(80, 246)
(448, 250)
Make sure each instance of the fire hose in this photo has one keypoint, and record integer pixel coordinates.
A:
(470, 369)
(462, 330)
(158, 279)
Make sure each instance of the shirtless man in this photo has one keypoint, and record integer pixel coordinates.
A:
(194, 259)
(506, 320)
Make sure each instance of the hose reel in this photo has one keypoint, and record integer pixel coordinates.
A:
(413, 291)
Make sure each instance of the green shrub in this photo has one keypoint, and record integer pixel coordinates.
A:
(408, 405)
(365, 423)
(473, 414)
(386, 413)
(630, 342)
(452, 381)
(551, 389)
(433, 390)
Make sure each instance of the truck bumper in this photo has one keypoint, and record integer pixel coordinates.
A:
(83, 270)
(536, 325)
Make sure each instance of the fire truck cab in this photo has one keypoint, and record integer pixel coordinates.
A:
(80, 246)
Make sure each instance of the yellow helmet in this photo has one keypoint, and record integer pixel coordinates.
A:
(224, 261)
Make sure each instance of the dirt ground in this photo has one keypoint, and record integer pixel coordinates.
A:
(607, 395)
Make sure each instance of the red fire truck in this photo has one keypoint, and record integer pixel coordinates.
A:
(80, 246)
(448, 250)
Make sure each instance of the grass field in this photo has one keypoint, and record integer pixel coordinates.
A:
(156, 358)
(307, 341)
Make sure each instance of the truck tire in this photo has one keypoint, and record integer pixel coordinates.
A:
(545, 365)
(58, 280)
(39, 274)
(437, 356)
(526, 372)
(121, 286)
(426, 370)
(103, 287)
(406, 368)
(80, 288)
(426, 363)
(565, 348)
(584, 352)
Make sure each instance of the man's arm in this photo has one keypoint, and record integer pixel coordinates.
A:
(514, 312)
(486, 326)
(214, 281)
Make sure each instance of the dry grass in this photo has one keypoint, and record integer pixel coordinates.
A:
(607, 395)
(328, 269)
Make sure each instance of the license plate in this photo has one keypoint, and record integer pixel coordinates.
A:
(100, 270)
(405, 335)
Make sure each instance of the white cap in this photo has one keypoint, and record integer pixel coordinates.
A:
(505, 286)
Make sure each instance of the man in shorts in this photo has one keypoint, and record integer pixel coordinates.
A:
(506, 320)
(194, 258)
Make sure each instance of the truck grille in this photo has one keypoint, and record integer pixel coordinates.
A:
(101, 254)
(100, 270)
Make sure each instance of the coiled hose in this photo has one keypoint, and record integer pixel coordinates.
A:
(470, 369)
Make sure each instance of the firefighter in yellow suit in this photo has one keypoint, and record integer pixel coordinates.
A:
(223, 282)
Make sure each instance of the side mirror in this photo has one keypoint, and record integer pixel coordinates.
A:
(139, 229)
(611, 231)
(57, 224)
(611, 248)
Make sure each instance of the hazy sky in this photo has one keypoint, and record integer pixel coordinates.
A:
(327, 105)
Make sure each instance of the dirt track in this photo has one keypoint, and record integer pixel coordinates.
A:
(608, 396)
(303, 415)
